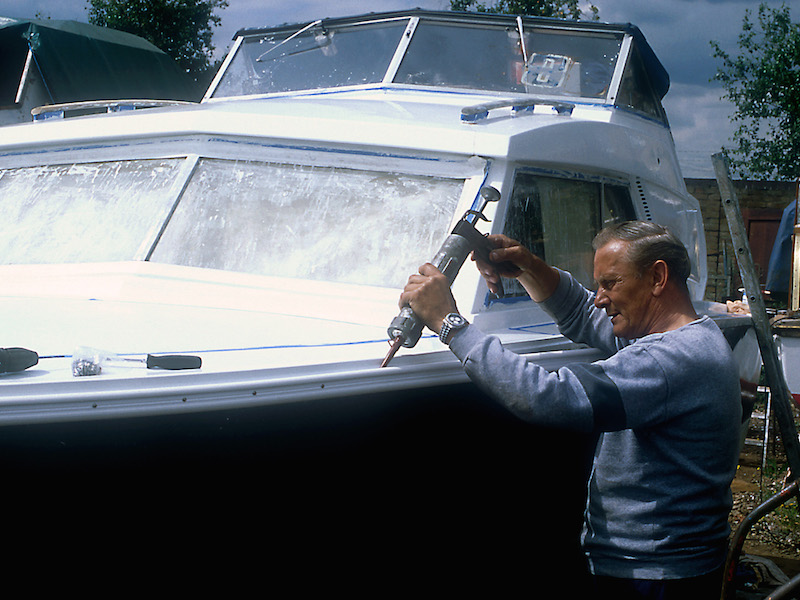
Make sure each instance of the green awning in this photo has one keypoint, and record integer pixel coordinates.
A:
(78, 61)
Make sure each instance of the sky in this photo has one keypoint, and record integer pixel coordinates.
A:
(679, 31)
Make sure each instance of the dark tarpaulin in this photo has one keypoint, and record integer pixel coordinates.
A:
(78, 61)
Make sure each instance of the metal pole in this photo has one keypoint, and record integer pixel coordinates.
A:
(794, 278)
(767, 425)
(740, 535)
(781, 397)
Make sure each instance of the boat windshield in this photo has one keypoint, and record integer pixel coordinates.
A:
(314, 57)
(254, 217)
(550, 62)
(545, 61)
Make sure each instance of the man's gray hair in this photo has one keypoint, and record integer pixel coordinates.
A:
(647, 243)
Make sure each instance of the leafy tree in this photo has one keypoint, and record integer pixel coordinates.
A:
(764, 84)
(562, 9)
(181, 28)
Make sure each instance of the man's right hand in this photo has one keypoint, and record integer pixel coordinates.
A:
(513, 260)
(500, 266)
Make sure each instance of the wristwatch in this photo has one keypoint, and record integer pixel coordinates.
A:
(451, 324)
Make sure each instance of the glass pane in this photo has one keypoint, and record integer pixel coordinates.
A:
(570, 63)
(557, 219)
(83, 212)
(317, 58)
(560, 63)
(320, 223)
(616, 205)
(462, 56)
(635, 90)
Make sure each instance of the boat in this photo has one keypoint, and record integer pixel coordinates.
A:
(50, 61)
(268, 229)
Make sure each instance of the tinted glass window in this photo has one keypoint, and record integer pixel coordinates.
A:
(463, 56)
(635, 90)
(557, 219)
(570, 63)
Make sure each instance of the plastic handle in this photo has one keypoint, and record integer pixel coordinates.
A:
(17, 359)
(173, 362)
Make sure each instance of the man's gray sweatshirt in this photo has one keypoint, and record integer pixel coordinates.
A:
(669, 409)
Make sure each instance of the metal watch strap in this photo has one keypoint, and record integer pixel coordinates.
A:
(449, 328)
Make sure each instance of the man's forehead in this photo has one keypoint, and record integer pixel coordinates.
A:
(615, 251)
(612, 258)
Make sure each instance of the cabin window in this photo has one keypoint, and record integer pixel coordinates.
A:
(557, 219)
(636, 91)
(91, 212)
(319, 223)
(554, 63)
(317, 58)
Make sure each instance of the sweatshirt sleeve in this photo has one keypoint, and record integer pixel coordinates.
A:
(572, 307)
(626, 390)
(555, 399)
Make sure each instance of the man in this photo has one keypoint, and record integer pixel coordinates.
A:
(666, 403)
(780, 259)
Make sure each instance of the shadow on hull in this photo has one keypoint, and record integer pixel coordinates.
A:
(443, 481)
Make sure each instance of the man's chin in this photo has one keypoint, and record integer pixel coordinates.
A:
(622, 332)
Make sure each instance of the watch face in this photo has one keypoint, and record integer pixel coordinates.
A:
(451, 323)
(456, 319)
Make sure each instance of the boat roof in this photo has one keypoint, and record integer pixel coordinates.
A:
(655, 69)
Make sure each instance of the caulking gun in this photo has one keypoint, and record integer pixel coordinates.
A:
(406, 328)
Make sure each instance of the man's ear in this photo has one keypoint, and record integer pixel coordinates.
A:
(660, 275)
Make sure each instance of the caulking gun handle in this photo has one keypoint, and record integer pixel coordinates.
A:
(482, 247)
(448, 260)
(173, 362)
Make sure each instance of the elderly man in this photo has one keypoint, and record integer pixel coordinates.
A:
(666, 403)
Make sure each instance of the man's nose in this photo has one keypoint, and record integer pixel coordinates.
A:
(600, 299)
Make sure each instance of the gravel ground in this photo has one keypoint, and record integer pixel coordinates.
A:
(776, 537)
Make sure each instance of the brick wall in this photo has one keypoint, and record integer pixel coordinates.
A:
(760, 202)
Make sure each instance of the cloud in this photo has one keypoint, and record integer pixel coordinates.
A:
(27, 9)
(694, 110)
(252, 14)
(680, 31)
